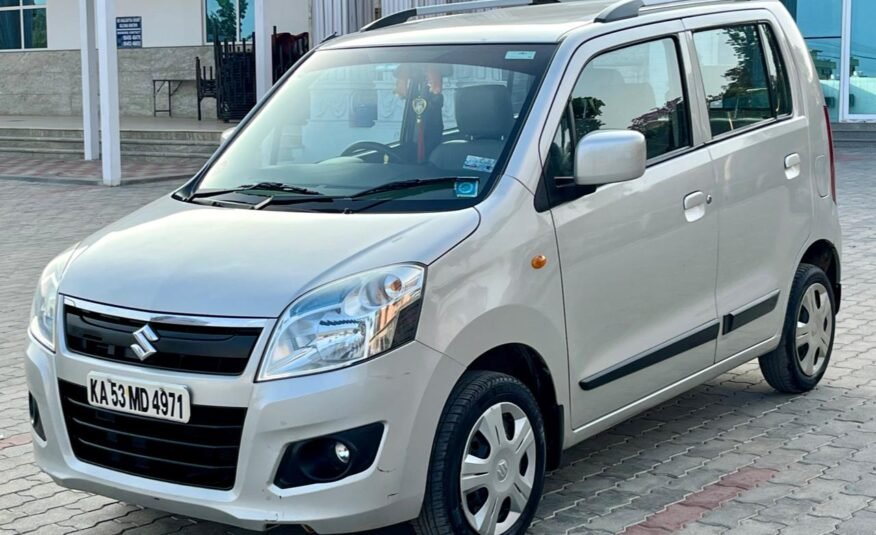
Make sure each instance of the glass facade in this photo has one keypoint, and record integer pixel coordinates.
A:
(22, 24)
(862, 60)
(844, 51)
(228, 20)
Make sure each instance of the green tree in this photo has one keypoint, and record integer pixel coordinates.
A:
(242, 6)
(222, 21)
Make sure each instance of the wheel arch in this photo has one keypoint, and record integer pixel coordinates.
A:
(823, 253)
(529, 367)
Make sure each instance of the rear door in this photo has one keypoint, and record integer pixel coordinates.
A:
(759, 143)
(639, 258)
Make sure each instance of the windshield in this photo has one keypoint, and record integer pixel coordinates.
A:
(415, 127)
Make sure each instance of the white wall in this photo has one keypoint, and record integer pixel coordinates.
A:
(392, 6)
(168, 22)
(62, 24)
(291, 16)
(328, 17)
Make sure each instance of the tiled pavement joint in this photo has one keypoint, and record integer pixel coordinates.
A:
(694, 506)
(15, 440)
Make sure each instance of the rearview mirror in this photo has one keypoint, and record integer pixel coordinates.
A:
(226, 134)
(608, 156)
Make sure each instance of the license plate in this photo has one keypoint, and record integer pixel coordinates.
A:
(167, 402)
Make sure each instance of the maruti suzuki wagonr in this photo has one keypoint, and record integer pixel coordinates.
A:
(438, 253)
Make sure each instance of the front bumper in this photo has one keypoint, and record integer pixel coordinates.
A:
(405, 389)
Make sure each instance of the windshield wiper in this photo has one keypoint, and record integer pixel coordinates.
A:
(285, 201)
(415, 183)
(263, 186)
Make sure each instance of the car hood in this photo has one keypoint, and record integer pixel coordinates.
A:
(182, 258)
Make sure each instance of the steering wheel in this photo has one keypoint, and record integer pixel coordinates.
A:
(362, 146)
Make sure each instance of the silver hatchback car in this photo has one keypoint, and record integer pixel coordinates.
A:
(440, 252)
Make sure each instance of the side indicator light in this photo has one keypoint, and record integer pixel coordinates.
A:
(539, 261)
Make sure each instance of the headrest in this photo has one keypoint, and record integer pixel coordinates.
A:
(484, 111)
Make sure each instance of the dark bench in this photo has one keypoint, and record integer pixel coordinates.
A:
(173, 86)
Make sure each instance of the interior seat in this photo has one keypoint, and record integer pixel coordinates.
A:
(484, 117)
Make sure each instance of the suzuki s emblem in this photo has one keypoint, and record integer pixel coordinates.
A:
(502, 470)
(144, 338)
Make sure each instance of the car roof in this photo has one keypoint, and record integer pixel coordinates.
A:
(544, 23)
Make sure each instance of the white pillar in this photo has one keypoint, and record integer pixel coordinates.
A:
(264, 51)
(345, 17)
(108, 61)
(90, 115)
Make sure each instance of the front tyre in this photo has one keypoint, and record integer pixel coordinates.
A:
(486, 474)
(801, 359)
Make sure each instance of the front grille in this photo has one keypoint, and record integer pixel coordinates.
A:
(200, 453)
(189, 348)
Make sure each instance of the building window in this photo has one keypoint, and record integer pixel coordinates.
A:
(228, 20)
(22, 24)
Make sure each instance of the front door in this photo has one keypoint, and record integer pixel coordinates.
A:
(638, 258)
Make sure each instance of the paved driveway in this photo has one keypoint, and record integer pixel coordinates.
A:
(731, 456)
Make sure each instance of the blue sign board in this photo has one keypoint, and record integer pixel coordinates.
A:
(129, 32)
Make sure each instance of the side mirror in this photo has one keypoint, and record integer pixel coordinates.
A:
(608, 156)
(226, 135)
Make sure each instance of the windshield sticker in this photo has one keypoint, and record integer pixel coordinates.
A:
(520, 54)
(477, 163)
(466, 188)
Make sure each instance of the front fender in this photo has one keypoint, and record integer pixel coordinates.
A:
(485, 292)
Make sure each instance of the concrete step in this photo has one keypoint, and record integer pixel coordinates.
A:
(42, 143)
(138, 145)
(189, 158)
(169, 146)
(176, 135)
(41, 154)
(38, 133)
(168, 135)
(853, 134)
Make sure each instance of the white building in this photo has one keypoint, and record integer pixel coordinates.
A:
(40, 40)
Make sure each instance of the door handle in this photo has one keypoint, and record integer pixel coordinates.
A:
(792, 165)
(695, 199)
(695, 205)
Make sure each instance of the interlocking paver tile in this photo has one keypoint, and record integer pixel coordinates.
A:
(861, 523)
(822, 444)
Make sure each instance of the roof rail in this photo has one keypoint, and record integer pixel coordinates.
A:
(627, 9)
(406, 15)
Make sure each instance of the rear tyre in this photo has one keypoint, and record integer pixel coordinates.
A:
(801, 359)
(486, 474)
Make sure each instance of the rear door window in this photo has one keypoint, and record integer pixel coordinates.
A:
(745, 84)
(780, 85)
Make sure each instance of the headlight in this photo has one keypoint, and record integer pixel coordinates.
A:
(345, 322)
(45, 300)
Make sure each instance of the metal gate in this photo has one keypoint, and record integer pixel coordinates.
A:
(235, 79)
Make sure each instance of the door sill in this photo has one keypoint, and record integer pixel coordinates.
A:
(664, 394)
